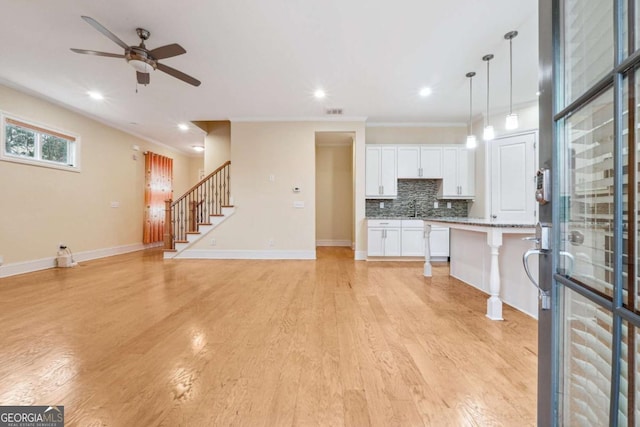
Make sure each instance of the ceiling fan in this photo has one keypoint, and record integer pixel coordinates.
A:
(139, 57)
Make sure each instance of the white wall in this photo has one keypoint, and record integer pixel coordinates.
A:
(43, 207)
(334, 193)
(264, 207)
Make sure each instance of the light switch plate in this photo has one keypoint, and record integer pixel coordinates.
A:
(298, 205)
(115, 204)
(1, 259)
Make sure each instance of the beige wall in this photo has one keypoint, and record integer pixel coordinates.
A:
(217, 145)
(334, 192)
(43, 207)
(416, 134)
(264, 207)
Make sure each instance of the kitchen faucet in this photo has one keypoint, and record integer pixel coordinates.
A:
(415, 208)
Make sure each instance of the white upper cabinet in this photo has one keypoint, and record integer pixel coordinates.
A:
(419, 161)
(458, 176)
(431, 162)
(381, 176)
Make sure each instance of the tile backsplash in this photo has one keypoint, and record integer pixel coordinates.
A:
(424, 192)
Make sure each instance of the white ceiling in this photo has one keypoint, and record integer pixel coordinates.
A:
(264, 59)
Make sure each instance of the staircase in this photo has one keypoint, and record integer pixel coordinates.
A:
(197, 212)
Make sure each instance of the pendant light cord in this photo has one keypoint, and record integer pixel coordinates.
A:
(470, 105)
(488, 91)
(510, 76)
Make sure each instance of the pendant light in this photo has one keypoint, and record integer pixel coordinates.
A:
(472, 142)
(512, 118)
(488, 133)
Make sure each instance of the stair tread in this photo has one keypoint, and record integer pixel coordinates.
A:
(193, 232)
(181, 241)
(216, 215)
(227, 206)
(170, 250)
(204, 223)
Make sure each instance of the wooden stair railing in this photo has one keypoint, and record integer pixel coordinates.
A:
(195, 206)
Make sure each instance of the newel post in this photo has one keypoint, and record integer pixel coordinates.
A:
(168, 225)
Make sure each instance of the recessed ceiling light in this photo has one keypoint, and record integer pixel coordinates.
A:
(425, 91)
(183, 126)
(319, 93)
(95, 95)
(538, 93)
(198, 148)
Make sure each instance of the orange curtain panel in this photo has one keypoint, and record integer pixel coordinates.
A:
(158, 188)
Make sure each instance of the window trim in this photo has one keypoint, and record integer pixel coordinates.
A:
(39, 128)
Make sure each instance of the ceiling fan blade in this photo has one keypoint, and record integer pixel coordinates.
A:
(143, 78)
(95, 24)
(96, 53)
(179, 75)
(167, 51)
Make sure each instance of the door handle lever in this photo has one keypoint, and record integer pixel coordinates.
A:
(545, 296)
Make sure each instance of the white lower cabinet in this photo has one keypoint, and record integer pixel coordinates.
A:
(412, 237)
(405, 238)
(383, 238)
(439, 238)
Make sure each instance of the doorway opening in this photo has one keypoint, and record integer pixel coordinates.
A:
(335, 203)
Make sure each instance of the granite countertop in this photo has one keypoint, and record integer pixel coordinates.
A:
(465, 221)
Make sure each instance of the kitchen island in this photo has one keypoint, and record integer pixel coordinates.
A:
(488, 255)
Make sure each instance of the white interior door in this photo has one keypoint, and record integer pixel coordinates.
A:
(512, 178)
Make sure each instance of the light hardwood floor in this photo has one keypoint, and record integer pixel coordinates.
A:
(134, 340)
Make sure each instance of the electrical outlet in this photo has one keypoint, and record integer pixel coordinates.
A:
(381, 205)
(1, 259)
(448, 205)
(272, 178)
(435, 205)
(115, 204)
(213, 242)
(271, 243)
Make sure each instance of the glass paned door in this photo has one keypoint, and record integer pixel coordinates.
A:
(590, 339)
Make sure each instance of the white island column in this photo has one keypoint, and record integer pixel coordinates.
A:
(427, 250)
(494, 303)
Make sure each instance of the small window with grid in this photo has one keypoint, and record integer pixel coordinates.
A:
(30, 143)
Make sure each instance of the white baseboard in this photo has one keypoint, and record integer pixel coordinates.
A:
(244, 254)
(333, 243)
(50, 262)
(360, 256)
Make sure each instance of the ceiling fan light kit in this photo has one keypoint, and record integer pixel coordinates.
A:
(144, 61)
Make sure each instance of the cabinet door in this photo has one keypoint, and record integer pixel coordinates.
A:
(375, 242)
(388, 171)
(439, 239)
(392, 242)
(450, 172)
(409, 162)
(431, 162)
(413, 242)
(372, 171)
(466, 172)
